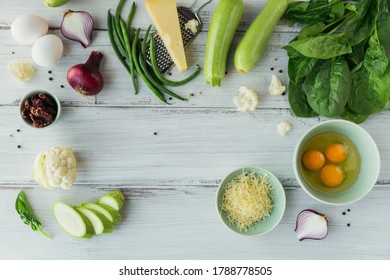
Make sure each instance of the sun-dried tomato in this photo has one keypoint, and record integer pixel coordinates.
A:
(40, 108)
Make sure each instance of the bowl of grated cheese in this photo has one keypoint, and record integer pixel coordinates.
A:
(251, 201)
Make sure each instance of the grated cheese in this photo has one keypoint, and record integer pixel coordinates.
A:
(247, 200)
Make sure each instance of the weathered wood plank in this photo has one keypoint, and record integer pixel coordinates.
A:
(118, 89)
(118, 145)
(141, 19)
(182, 223)
(168, 160)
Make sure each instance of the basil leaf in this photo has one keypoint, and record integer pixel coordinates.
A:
(22, 206)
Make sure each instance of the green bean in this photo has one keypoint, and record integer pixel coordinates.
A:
(153, 60)
(113, 43)
(117, 36)
(145, 41)
(150, 75)
(117, 17)
(130, 16)
(156, 91)
(129, 55)
(154, 82)
(143, 51)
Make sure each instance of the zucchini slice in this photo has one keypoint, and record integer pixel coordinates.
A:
(109, 212)
(73, 222)
(100, 223)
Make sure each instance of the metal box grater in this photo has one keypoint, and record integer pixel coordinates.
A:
(164, 61)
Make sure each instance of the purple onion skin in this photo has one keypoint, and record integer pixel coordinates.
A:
(86, 78)
(70, 37)
(314, 212)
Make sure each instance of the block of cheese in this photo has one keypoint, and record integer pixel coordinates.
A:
(166, 20)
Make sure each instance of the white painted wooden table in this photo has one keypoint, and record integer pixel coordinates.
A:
(168, 160)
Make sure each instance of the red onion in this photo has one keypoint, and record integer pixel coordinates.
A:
(311, 225)
(86, 78)
(77, 26)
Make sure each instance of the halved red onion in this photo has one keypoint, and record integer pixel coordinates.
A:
(311, 225)
(77, 26)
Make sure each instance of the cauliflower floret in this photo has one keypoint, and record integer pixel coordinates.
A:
(276, 87)
(56, 167)
(284, 127)
(247, 100)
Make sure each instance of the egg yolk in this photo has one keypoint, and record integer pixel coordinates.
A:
(336, 152)
(332, 175)
(313, 159)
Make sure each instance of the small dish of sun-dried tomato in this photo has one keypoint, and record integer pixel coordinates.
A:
(40, 108)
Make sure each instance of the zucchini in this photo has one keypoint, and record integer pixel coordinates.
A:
(255, 39)
(223, 25)
(109, 212)
(113, 199)
(73, 222)
(100, 223)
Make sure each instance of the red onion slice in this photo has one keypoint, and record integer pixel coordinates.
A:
(77, 26)
(311, 225)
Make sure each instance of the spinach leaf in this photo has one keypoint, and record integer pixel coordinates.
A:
(383, 26)
(383, 6)
(299, 66)
(350, 7)
(333, 73)
(321, 47)
(25, 212)
(298, 102)
(350, 115)
(328, 89)
(314, 11)
(375, 59)
(358, 51)
(336, 11)
(370, 92)
(363, 24)
(312, 30)
(315, 4)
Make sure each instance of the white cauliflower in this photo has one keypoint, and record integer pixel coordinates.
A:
(247, 99)
(276, 87)
(284, 127)
(55, 168)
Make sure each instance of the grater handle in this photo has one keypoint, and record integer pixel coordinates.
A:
(198, 5)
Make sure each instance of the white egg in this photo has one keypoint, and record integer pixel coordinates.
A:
(47, 50)
(26, 29)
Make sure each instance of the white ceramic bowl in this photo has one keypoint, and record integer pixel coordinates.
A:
(369, 162)
(52, 96)
(278, 200)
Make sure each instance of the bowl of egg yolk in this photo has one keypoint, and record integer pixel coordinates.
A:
(336, 162)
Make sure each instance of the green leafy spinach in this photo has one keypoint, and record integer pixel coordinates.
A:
(339, 62)
(328, 89)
